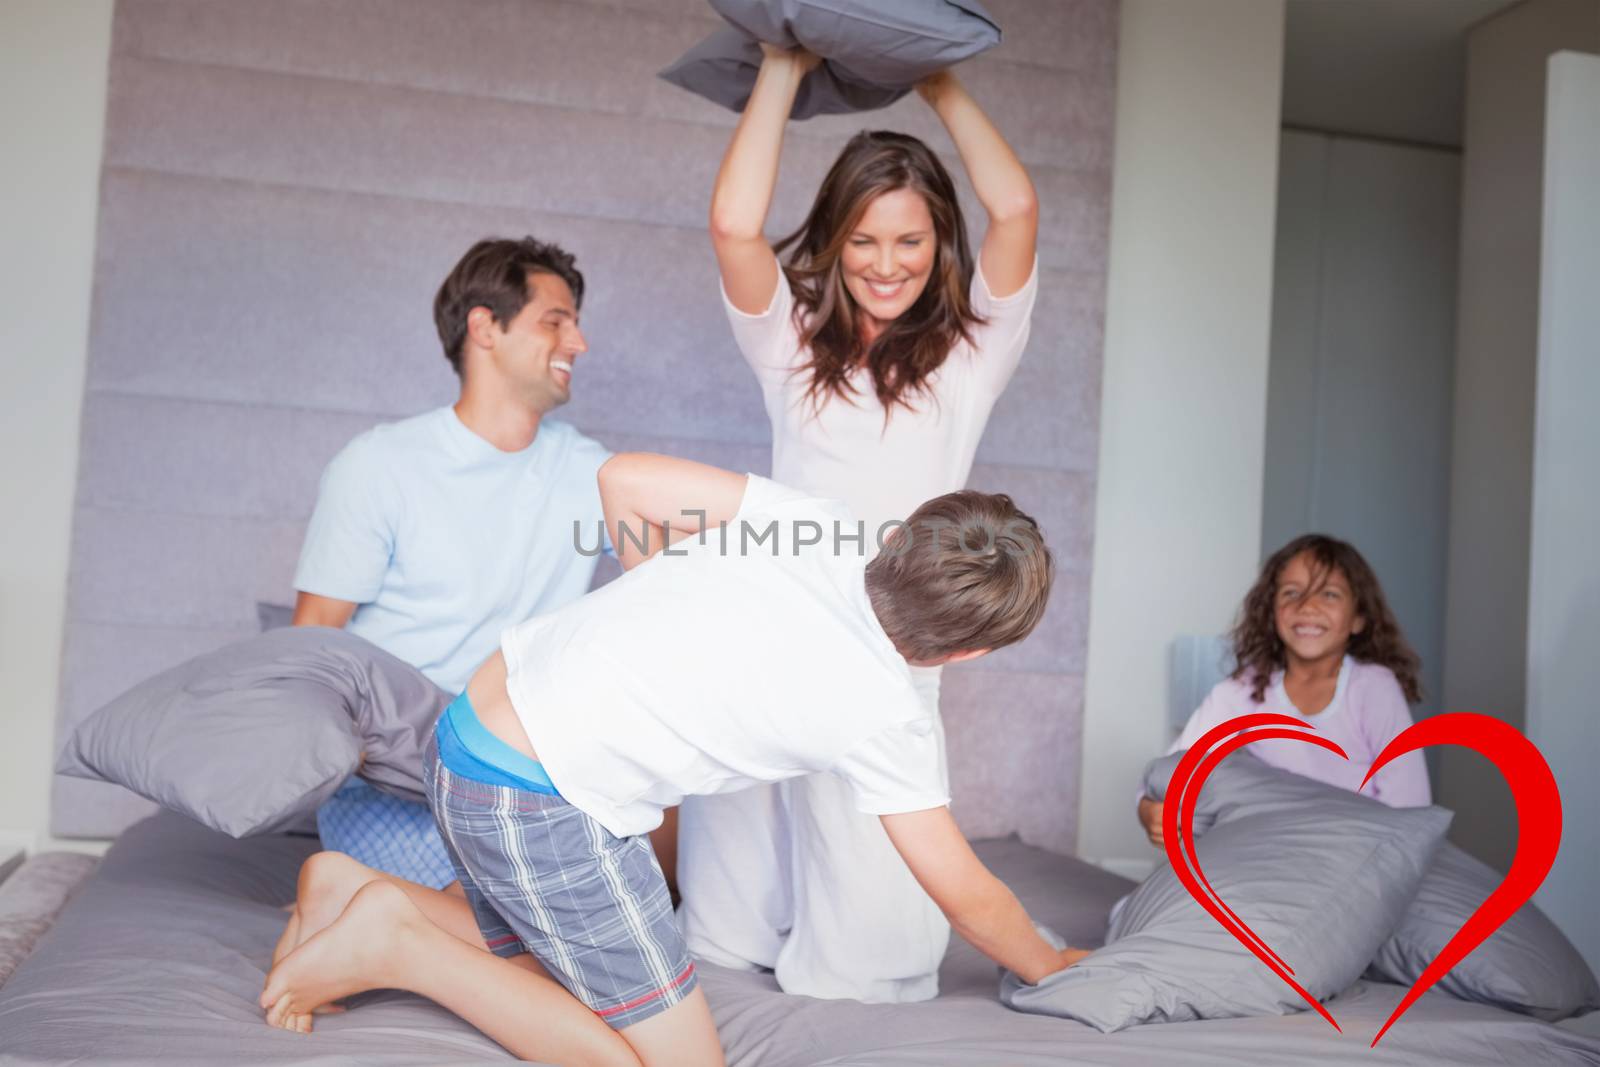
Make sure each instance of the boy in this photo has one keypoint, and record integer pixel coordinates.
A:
(766, 648)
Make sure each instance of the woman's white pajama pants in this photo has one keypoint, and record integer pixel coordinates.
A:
(793, 878)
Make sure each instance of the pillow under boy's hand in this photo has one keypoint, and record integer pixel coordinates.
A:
(1069, 956)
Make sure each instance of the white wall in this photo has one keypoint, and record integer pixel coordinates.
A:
(1363, 351)
(53, 62)
(1178, 513)
(1564, 572)
(1379, 68)
(1486, 584)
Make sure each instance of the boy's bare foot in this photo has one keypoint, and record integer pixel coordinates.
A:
(352, 955)
(328, 882)
(287, 943)
(289, 940)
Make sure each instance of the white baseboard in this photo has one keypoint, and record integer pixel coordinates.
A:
(32, 841)
(16, 838)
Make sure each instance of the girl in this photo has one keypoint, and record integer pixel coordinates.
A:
(1316, 640)
(880, 345)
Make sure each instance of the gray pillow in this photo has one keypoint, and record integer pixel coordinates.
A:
(1322, 875)
(1526, 966)
(874, 50)
(254, 736)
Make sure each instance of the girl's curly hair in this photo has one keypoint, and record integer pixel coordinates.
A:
(1257, 648)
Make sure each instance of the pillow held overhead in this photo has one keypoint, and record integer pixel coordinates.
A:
(874, 51)
(254, 736)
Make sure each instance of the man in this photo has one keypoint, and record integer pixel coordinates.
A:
(433, 534)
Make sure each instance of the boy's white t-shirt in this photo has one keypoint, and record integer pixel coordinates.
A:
(741, 658)
(442, 540)
(883, 472)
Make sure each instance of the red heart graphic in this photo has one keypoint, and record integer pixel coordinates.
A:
(1534, 795)
(1537, 802)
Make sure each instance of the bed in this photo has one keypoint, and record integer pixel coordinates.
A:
(160, 956)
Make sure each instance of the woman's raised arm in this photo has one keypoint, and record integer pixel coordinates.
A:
(749, 172)
(998, 177)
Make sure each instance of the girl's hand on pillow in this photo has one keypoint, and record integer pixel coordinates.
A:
(1150, 818)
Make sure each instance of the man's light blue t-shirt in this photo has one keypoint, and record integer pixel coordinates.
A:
(443, 540)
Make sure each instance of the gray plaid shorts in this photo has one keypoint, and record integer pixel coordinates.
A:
(544, 877)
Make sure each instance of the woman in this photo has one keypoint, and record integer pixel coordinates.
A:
(881, 348)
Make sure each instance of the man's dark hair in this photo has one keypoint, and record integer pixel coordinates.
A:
(494, 274)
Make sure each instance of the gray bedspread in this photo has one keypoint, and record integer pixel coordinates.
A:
(160, 958)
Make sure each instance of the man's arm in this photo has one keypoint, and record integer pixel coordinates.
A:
(646, 497)
(313, 610)
(979, 906)
(350, 538)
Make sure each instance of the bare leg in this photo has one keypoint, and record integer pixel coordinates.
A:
(384, 941)
(289, 940)
(328, 881)
(681, 1036)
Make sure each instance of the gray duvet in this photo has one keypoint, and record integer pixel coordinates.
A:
(161, 956)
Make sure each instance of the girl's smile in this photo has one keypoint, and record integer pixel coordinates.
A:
(1315, 613)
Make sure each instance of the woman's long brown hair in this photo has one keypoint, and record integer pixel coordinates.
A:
(1258, 649)
(917, 343)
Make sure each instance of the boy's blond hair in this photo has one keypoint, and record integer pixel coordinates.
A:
(968, 571)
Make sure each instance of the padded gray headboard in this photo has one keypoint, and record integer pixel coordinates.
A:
(284, 186)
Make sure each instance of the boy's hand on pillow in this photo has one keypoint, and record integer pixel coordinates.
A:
(1069, 956)
(1150, 818)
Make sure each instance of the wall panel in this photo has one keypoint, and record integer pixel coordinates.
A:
(285, 185)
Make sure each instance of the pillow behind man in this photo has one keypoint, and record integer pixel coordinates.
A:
(1323, 875)
(252, 737)
(874, 51)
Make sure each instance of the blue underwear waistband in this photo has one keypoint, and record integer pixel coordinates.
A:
(468, 748)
